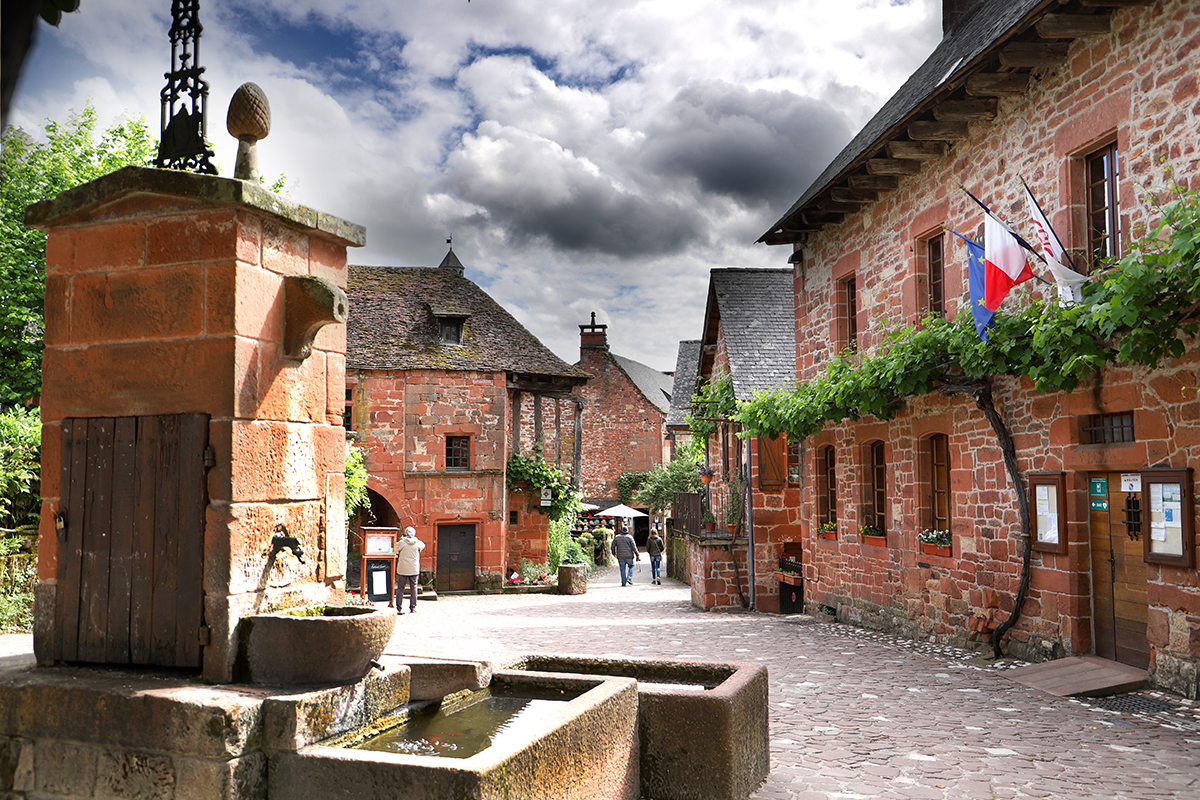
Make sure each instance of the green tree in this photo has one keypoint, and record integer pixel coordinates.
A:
(32, 170)
(660, 485)
(20, 438)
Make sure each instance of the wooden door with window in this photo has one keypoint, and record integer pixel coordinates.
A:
(1119, 600)
(131, 548)
(455, 558)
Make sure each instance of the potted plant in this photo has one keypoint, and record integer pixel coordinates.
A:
(735, 505)
(706, 473)
(935, 543)
(710, 521)
(790, 577)
(828, 529)
(873, 535)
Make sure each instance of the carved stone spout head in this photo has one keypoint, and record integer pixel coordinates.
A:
(248, 120)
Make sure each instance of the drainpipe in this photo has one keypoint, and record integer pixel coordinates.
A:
(749, 500)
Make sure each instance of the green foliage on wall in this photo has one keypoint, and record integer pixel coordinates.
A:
(628, 484)
(20, 467)
(531, 471)
(356, 481)
(713, 402)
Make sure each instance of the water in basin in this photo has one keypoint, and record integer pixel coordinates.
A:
(467, 727)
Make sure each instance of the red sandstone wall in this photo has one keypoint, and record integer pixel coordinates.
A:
(558, 430)
(622, 430)
(1139, 82)
(408, 415)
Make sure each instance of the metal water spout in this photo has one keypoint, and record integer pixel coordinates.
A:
(281, 540)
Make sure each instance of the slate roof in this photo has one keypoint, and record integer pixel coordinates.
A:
(687, 366)
(655, 386)
(986, 26)
(392, 325)
(755, 310)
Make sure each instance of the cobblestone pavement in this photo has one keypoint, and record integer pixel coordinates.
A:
(854, 714)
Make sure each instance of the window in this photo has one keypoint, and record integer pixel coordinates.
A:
(827, 485)
(1107, 428)
(935, 268)
(458, 452)
(1103, 213)
(793, 462)
(850, 311)
(877, 487)
(939, 482)
(451, 330)
(348, 414)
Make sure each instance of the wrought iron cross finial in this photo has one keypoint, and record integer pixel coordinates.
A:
(184, 130)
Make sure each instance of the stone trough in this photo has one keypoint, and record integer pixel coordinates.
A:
(588, 748)
(727, 754)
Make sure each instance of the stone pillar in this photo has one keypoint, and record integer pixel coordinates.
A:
(167, 293)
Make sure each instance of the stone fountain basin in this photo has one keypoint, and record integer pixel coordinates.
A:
(727, 754)
(336, 646)
(586, 749)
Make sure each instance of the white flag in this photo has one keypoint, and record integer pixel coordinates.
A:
(1069, 281)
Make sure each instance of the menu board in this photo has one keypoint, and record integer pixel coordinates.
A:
(1048, 501)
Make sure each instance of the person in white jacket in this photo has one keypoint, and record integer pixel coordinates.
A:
(408, 569)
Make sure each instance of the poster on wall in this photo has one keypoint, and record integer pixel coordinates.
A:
(1167, 497)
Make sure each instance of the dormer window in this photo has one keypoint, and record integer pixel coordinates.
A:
(451, 322)
(451, 330)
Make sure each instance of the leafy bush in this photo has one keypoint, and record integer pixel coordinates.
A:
(20, 466)
(563, 549)
(532, 469)
(16, 593)
(356, 481)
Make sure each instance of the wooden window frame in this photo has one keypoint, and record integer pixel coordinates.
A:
(451, 329)
(794, 462)
(939, 470)
(849, 310)
(1042, 539)
(452, 456)
(875, 462)
(827, 485)
(1187, 515)
(1101, 174)
(935, 272)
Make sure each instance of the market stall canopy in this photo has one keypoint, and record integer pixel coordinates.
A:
(620, 510)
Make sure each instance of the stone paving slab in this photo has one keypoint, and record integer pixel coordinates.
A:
(854, 714)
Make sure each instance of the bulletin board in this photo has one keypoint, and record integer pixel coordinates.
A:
(1168, 517)
(1047, 511)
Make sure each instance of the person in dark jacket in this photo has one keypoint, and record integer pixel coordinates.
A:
(654, 549)
(626, 551)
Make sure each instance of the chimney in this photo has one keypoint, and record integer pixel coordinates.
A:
(954, 10)
(593, 336)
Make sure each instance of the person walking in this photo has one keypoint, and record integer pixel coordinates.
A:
(654, 549)
(408, 569)
(626, 551)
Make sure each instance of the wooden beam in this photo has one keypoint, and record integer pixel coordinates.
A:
(816, 217)
(782, 237)
(1115, 3)
(917, 151)
(998, 84)
(1034, 54)
(982, 110)
(1073, 26)
(873, 183)
(893, 166)
(925, 131)
(834, 207)
(843, 195)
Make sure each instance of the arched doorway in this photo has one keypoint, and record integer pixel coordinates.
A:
(378, 514)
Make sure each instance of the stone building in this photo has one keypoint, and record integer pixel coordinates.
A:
(749, 336)
(683, 386)
(624, 415)
(1086, 101)
(434, 370)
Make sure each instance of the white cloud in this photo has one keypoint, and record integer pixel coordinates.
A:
(585, 154)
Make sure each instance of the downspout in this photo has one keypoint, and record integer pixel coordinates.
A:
(749, 503)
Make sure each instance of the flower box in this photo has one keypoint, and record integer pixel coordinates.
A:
(789, 579)
(875, 541)
(944, 550)
(831, 535)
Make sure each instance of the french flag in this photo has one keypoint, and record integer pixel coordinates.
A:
(1004, 264)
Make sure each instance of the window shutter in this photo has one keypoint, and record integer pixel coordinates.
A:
(772, 462)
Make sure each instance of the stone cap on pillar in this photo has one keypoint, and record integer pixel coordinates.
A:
(86, 200)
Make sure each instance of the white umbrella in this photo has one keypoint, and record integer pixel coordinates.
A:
(620, 510)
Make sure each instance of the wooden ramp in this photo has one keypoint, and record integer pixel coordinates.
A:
(1080, 676)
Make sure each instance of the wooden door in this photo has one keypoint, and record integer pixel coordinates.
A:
(1119, 600)
(130, 559)
(456, 558)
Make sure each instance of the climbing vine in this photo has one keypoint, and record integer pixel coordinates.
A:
(713, 402)
(530, 470)
(628, 484)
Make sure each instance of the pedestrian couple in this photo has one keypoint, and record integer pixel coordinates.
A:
(626, 550)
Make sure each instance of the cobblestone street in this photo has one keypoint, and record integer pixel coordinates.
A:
(853, 714)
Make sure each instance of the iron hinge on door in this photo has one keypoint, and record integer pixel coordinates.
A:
(210, 457)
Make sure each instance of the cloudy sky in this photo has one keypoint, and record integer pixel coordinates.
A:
(585, 155)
